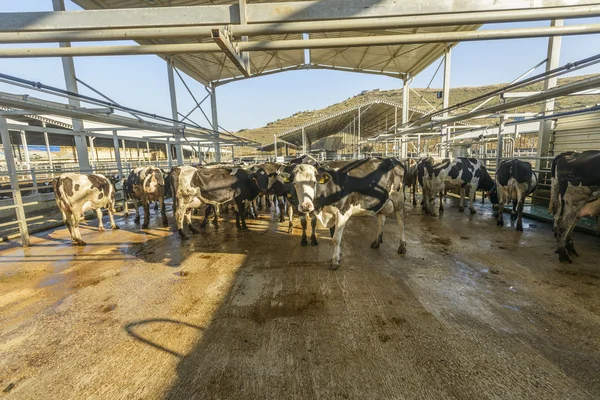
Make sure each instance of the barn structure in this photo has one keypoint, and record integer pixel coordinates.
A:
(469, 312)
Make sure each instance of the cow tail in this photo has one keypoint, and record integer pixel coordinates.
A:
(553, 188)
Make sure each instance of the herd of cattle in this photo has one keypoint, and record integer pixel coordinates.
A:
(332, 192)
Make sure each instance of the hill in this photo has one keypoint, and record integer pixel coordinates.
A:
(265, 134)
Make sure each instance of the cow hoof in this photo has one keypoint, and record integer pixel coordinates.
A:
(519, 228)
(281, 219)
(115, 227)
(80, 243)
(472, 211)
(500, 223)
(182, 234)
(145, 226)
(572, 252)
(564, 257)
(333, 266)
(402, 248)
(313, 242)
(460, 209)
(101, 229)
(137, 220)
(216, 225)
(194, 230)
(290, 229)
(513, 216)
(165, 223)
(375, 244)
(304, 242)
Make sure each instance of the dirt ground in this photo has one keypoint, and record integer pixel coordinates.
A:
(472, 311)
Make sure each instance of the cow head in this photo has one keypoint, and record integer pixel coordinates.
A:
(154, 179)
(486, 183)
(494, 195)
(261, 178)
(306, 182)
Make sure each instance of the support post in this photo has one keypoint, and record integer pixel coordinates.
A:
(304, 148)
(553, 59)
(168, 154)
(14, 181)
(148, 151)
(275, 147)
(446, 96)
(92, 151)
(174, 115)
(358, 136)
(124, 151)
(47, 142)
(71, 84)
(500, 146)
(215, 120)
(232, 154)
(405, 106)
(117, 154)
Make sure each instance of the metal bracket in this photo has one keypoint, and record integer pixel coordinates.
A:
(222, 38)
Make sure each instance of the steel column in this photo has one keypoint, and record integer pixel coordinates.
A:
(500, 146)
(358, 135)
(275, 147)
(174, 115)
(553, 59)
(304, 148)
(25, 149)
(92, 151)
(71, 84)
(47, 142)
(14, 181)
(168, 154)
(446, 95)
(215, 120)
(405, 107)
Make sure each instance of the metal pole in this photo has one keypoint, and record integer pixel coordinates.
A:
(500, 141)
(71, 84)
(148, 151)
(358, 135)
(304, 142)
(14, 181)
(405, 106)
(215, 120)
(232, 153)
(117, 154)
(299, 44)
(48, 152)
(92, 151)
(419, 145)
(199, 156)
(553, 58)
(124, 151)
(174, 115)
(168, 154)
(25, 149)
(275, 137)
(446, 99)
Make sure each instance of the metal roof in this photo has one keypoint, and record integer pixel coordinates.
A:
(376, 117)
(395, 60)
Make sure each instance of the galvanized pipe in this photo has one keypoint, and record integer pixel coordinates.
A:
(400, 22)
(295, 44)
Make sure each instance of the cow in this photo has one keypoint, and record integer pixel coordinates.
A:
(215, 186)
(77, 193)
(515, 180)
(372, 186)
(146, 184)
(465, 174)
(575, 193)
(410, 179)
(284, 187)
(186, 195)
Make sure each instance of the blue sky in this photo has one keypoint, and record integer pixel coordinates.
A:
(141, 81)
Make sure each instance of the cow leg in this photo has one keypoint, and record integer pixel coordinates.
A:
(163, 211)
(99, 215)
(414, 194)
(441, 209)
(67, 222)
(281, 205)
(188, 221)
(146, 214)
(501, 202)
(75, 223)
(216, 215)
(472, 194)
(340, 224)
(156, 206)
(125, 203)
(180, 214)
(268, 201)
(240, 215)
(111, 210)
(304, 240)
(565, 230)
(398, 201)
(379, 237)
(514, 212)
(290, 211)
(207, 211)
(313, 228)
(461, 204)
(137, 209)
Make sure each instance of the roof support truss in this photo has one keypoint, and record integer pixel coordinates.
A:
(223, 40)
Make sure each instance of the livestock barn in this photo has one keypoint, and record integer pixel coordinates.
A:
(382, 251)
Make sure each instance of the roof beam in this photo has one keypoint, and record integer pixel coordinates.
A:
(223, 41)
(218, 15)
(295, 44)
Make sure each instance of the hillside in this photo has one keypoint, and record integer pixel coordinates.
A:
(265, 134)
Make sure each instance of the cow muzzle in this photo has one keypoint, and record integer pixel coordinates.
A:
(306, 207)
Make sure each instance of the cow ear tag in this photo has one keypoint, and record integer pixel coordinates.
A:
(324, 179)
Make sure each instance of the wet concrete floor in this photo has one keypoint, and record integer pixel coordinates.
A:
(472, 311)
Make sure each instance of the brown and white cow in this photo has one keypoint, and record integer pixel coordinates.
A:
(146, 184)
(371, 186)
(575, 194)
(77, 193)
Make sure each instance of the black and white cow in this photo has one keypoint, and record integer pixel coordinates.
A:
(372, 186)
(515, 180)
(464, 174)
(575, 194)
(77, 193)
(215, 186)
(146, 184)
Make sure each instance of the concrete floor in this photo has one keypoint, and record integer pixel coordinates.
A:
(472, 311)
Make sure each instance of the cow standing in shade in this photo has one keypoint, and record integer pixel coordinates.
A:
(465, 174)
(515, 180)
(371, 186)
(575, 194)
(146, 184)
(215, 186)
(77, 193)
